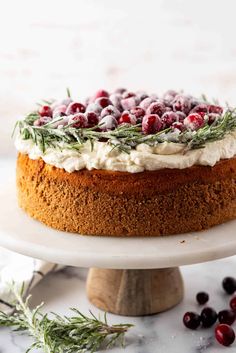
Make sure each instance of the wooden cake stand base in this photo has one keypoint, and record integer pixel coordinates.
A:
(135, 292)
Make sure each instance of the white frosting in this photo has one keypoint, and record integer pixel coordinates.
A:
(144, 157)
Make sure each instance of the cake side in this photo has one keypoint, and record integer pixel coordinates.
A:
(108, 203)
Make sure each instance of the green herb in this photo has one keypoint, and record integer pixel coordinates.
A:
(68, 92)
(62, 334)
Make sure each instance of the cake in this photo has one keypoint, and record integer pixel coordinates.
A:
(128, 164)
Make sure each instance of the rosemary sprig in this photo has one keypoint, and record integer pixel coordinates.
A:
(62, 334)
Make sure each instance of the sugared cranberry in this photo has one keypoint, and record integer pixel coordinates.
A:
(74, 108)
(180, 116)
(127, 118)
(45, 110)
(110, 110)
(79, 121)
(170, 95)
(127, 94)
(168, 119)
(191, 320)
(120, 90)
(42, 121)
(141, 95)
(200, 108)
(146, 102)
(103, 102)
(128, 103)
(211, 117)
(93, 107)
(224, 334)
(109, 122)
(208, 317)
(156, 108)
(66, 101)
(92, 119)
(178, 125)
(151, 124)
(101, 93)
(215, 109)
(194, 121)
(59, 111)
(229, 285)
(115, 99)
(232, 304)
(226, 317)
(181, 103)
(194, 102)
(138, 112)
(202, 297)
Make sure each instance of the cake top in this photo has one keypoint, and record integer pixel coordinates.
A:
(124, 120)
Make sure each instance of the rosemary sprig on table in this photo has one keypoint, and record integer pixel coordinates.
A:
(124, 137)
(62, 334)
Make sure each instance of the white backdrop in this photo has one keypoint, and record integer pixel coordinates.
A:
(48, 45)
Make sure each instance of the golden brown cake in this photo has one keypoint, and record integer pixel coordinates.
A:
(161, 188)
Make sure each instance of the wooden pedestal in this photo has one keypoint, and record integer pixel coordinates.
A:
(135, 292)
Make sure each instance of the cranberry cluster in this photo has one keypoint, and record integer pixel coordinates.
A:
(224, 333)
(175, 110)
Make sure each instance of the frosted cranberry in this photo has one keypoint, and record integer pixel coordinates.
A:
(170, 95)
(226, 317)
(108, 123)
(59, 111)
(215, 109)
(79, 121)
(92, 119)
(232, 304)
(110, 110)
(127, 118)
(146, 102)
(191, 320)
(103, 102)
(93, 107)
(42, 121)
(138, 112)
(181, 103)
(141, 95)
(193, 102)
(128, 103)
(151, 124)
(202, 298)
(178, 125)
(74, 108)
(168, 119)
(128, 94)
(101, 93)
(66, 101)
(156, 108)
(211, 117)
(120, 90)
(194, 121)
(224, 334)
(115, 99)
(200, 108)
(208, 317)
(229, 284)
(180, 116)
(45, 110)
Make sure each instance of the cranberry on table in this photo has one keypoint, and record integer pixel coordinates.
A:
(215, 109)
(45, 110)
(107, 123)
(181, 116)
(75, 107)
(200, 108)
(181, 103)
(127, 118)
(226, 317)
(92, 119)
(127, 94)
(202, 297)
(170, 95)
(120, 90)
(42, 121)
(79, 121)
(194, 121)
(128, 103)
(138, 112)
(151, 124)
(208, 317)
(212, 117)
(59, 111)
(232, 303)
(146, 102)
(101, 93)
(229, 284)
(93, 107)
(168, 119)
(156, 108)
(178, 125)
(103, 101)
(224, 334)
(110, 110)
(191, 320)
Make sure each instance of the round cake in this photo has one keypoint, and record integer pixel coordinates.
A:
(128, 164)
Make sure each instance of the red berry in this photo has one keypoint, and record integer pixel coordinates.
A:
(229, 285)
(110, 110)
(93, 107)
(202, 297)
(178, 125)
(191, 320)
(120, 90)
(42, 121)
(79, 121)
(127, 118)
(146, 102)
(169, 95)
(108, 123)
(208, 317)
(151, 124)
(127, 94)
(232, 304)
(101, 93)
(45, 110)
(158, 108)
(194, 121)
(92, 119)
(215, 109)
(212, 117)
(226, 317)
(59, 111)
(128, 103)
(138, 112)
(74, 108)
(224, 334)
(181, 116)
(200, 108)
(103, 102)
(115, 99)
(181, 103)
(168, 119)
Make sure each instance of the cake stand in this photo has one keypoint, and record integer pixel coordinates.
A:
(128, 276)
